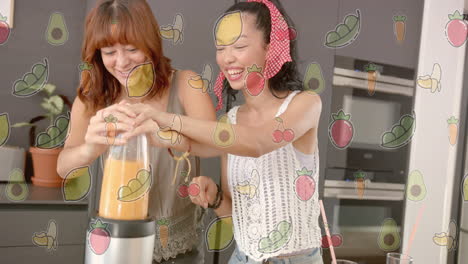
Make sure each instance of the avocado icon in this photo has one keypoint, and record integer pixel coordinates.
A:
(57, 33)
(465, 188)
(313, 78)
(16, 189)
(416, 189)
(389, 237)
(224, 133)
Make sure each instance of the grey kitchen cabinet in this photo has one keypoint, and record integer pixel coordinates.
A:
(73, 254)
(21, 221)
(376, 41)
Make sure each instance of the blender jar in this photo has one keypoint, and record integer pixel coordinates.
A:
(126, 181)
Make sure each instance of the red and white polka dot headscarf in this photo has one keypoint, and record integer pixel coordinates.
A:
(277, 55)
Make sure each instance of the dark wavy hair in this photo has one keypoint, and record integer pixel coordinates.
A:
(288, 78)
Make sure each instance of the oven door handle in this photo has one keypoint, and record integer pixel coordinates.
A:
(348, 193)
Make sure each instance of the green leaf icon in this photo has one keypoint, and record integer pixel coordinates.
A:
(33, 81)
(345, 33)
(77, 184)
(16, 190)
(162, 222)
(399, 18)
(4, 128)
(359, 174)
(220, 234)
(136, 188)
(276, 239)
(55, 135)
(400, 134)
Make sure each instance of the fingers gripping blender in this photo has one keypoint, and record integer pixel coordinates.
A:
(122, 232)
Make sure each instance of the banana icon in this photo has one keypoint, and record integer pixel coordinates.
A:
(448, 240)
(47, 240)
(442, 239)
(433, 81)
(204, 81)
(174, 31)
(249, 187)
(172, 133)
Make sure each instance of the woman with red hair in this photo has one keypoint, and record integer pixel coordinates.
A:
(118, 37)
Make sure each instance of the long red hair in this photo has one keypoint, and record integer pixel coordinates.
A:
(125, 22)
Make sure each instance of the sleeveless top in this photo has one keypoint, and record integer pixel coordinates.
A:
(176, 216)
(275, 207)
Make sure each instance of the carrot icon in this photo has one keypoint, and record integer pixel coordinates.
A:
(359, 178)
(371, 77)
(453, 130)
(111, 128)
(399, 28)
(163, 232)
(85, 69)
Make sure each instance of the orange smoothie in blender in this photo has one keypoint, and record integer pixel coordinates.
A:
(123, 194)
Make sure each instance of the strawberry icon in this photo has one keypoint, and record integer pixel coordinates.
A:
(456, 29)
(254, 80)
(305, 184)
(98, 237)
(341, 130)
(286, 134)
(4, 29)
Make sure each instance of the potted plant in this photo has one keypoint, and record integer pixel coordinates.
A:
(46, 146)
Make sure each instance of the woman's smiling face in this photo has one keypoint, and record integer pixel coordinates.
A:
(120, 59)
(249, 49)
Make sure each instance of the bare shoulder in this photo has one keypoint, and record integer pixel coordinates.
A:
(307, 101)
(79, 107)
(185, 75)
(79, 121)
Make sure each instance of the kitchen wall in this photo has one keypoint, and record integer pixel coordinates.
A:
(28, 45)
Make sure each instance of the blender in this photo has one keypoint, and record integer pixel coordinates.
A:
(122, 232)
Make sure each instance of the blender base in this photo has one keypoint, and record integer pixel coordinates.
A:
(120, 241)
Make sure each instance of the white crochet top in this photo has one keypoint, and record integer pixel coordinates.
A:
(275, 206)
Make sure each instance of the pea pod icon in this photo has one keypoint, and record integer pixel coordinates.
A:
(276, 239)
(344, 33)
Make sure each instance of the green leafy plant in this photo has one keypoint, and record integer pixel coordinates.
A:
(55, 134)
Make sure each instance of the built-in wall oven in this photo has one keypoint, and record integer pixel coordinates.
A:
(364, 189)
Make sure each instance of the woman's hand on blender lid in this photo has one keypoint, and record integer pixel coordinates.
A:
(106, 125)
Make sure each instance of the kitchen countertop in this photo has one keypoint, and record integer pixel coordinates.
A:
(37, 195)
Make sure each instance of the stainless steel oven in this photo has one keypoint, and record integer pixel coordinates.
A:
(364, 189)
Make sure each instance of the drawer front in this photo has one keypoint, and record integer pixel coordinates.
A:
(19, 224)
(72, 254)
